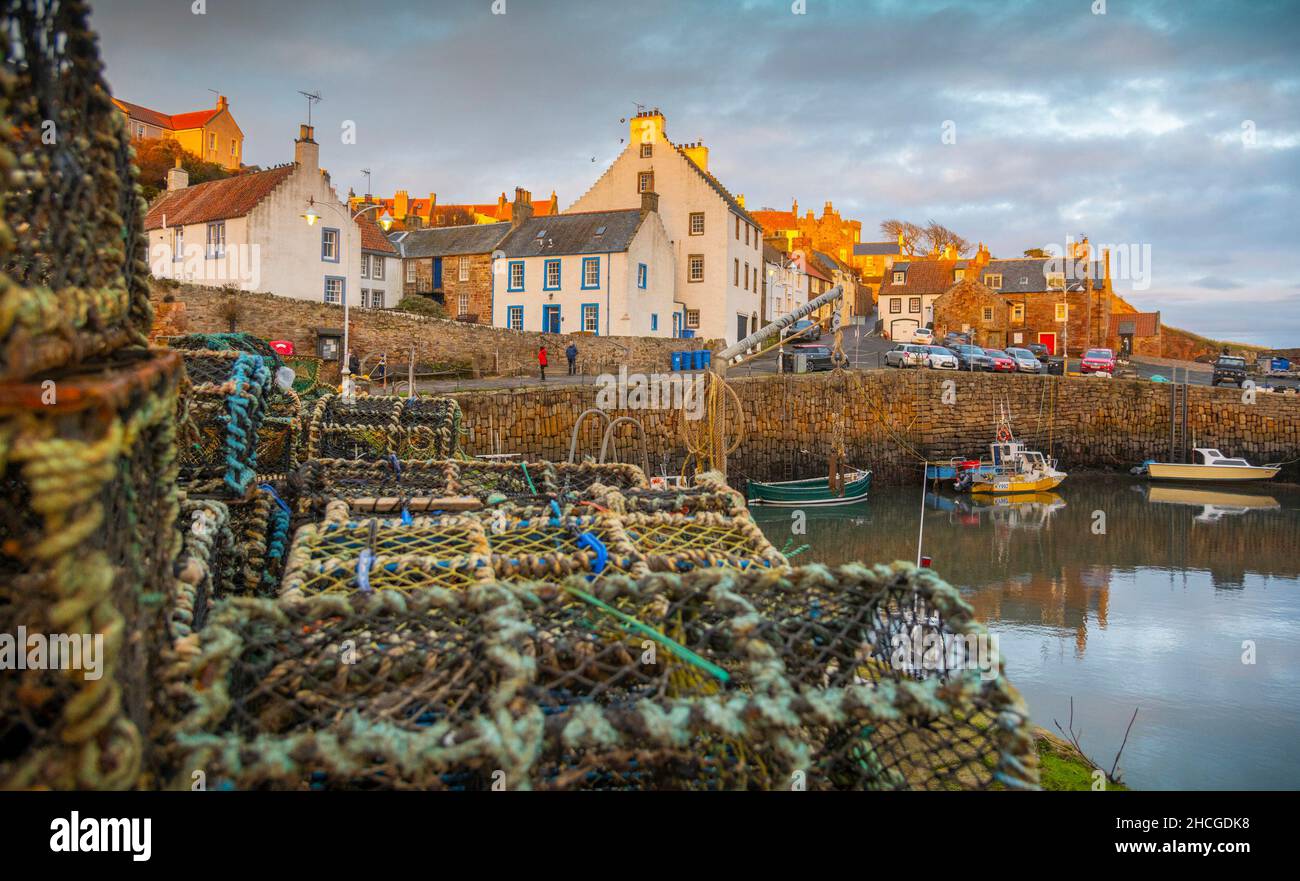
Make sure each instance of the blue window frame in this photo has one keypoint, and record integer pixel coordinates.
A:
(551, 275)
(515, 275)
(551, 321)
(641, 274)
(654, 321)
(336, 290)
(329, 245)
(590, 273)
(591, 318)
(515, 317)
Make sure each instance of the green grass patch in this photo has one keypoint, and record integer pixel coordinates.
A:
(1061, 768)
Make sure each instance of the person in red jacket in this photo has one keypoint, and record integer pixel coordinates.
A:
(541, 361)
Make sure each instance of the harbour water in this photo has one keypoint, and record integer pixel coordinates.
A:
(1121, 595)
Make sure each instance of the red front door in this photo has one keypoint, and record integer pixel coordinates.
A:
(1049, 340)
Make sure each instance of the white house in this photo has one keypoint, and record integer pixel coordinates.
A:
(608, 273)
(786, 283)
(381, 282)
(252, 231)
(718, 246)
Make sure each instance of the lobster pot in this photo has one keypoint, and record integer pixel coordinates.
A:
(221, 417)
(384, 486)
(672, 542)
(73, 279)
(87, 540)
(261, 529)
(380, 426)
(335, 692)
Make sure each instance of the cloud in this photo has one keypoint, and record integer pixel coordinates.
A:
(1215, 283)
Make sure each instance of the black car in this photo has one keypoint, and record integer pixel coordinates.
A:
(819, 357)
(971, 358)
(1229, 369)
(1040, 351)
(814, 334)
(1055, 366)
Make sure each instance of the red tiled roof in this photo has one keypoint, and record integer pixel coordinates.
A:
(215, 200)
(922, 277)
(1144, 323)
(372, 237)
(771, 221)
(196, 119)
(176, 122)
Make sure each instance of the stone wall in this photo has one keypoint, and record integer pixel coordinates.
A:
(491, 351)
(893, 419)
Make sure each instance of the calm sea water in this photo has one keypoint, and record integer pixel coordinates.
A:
(1120, 595)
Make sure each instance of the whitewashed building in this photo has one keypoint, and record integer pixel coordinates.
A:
(606, 273)
(786, 284)
(717, 245)
(251, 232)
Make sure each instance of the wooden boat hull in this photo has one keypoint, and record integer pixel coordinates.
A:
(1010, 485)
(1210, 473)
(809, 493)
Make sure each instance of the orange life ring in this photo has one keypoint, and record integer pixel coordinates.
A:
(1004, 433)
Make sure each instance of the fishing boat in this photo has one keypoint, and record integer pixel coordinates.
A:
(810, 492)
(1210, 465)
(1010, 468)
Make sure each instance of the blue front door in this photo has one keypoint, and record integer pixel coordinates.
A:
(437, 273)
(550, 319)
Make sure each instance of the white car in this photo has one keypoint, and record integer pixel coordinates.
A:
(941, 359)
(906, 355)
(1026, 361)
(923, 336)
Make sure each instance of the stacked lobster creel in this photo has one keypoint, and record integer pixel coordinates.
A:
(375, 427)
(88, 500)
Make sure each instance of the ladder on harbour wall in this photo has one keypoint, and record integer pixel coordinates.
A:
(1178, 417)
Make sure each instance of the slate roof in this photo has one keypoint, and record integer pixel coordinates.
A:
(448, 241)
(1029, 274)
(574, 233)
(876, 249)
(216, 199)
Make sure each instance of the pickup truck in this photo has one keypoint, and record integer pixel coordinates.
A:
(1229, 369)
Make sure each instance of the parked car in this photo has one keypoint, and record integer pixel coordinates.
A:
(923, 336)
(1055, 366)
(906, 355)
(1026, 361)
(952, 339)
(801, 324)
(1001, 361)
(971, 358)
(941, 358)
(1229, 368)
(1040, 351)
(1098, 361)
(819, 357)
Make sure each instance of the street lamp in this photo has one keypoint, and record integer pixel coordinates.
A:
(311, 216)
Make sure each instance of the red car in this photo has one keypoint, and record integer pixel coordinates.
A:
(1098, 361)
(1000, 361)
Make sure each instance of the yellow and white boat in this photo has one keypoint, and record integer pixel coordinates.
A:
(1010, 468)
(1213, 466)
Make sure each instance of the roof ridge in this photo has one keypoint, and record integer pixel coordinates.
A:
(717, 184)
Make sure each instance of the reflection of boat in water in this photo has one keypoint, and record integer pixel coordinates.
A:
(813, 491)
(1210, 465)
(1215, 504)
(1023, 510)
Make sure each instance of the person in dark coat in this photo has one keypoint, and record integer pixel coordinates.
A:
(541, 361)
(354, 364)
(572, 354)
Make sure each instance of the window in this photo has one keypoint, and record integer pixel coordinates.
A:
(462, 269)
(139, 131)
(747, 234)
(178, 243)
(736, 274)
(1062, 312)
(755, 287)
(1018, 312)
(365, 270)
(376, 299)
(645, 182)
(462, 304)
(913, 304)
(329, 245)
(216, 240)
(1056, 281)
(515, 277)
(654, 322)
(697, 223)
(365, 298)
(234, 148)
(993, 280)
(899, 277)
(737, 227)
(591, 318)
(641, 274)
(333, 290)
(515, 318)
(410, 272)
(551, 280)
(647, 150)
(590, 273)
(377, 267)
(212, 143)
(895, 305)
(958, 274)
(988, 313)
(693, 318)
(695, 267)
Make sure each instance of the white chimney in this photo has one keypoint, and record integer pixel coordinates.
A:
(306, 152)
(177, 177)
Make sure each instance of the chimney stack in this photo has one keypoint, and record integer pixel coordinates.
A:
(649, 203)
(306, 152)
(177, 177)
(521, 209)
(222, 103)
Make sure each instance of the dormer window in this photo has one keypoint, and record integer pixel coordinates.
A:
(993, 281)
(1056, 281)
(600, 231)
(899, 277)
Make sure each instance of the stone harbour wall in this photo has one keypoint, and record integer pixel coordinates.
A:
(892, 420)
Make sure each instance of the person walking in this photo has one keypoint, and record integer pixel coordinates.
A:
(572, 354)
(541, 361)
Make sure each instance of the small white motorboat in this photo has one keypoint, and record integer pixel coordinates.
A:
(1213, 466)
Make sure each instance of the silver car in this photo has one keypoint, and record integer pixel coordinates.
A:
(941, 358)
(1026, 361)
(906, 355)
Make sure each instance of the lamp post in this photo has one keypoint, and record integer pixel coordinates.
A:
(386, 222)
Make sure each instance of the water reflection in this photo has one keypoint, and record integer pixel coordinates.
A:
(1119, 594)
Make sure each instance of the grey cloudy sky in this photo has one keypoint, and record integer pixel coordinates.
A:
(1126, 126)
